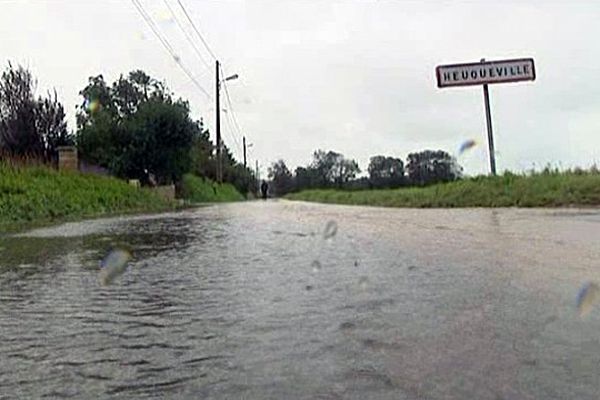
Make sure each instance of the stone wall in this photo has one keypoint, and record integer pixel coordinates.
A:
(67, 158)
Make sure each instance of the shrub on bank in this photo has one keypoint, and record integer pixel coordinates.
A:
(201, 190)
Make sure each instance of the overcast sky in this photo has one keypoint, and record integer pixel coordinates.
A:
(352, 76)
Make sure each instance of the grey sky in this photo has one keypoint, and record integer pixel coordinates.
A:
(353, 76)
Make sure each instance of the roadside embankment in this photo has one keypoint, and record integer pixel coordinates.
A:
(36, 195)
(545, 189)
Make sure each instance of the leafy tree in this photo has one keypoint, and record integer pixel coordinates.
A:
(128, 93)
(157, 138)
(281, 177)
(203, 162)
(136, 128)
(305, 178)
(386, 172)
(344, 170)
(29, 126)
(330, 168)
(322, 165)
(99, 92)
(51, 125)
(429, 166)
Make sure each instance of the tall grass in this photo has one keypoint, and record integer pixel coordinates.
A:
(549, 188)
(200, 190)
(36, 193)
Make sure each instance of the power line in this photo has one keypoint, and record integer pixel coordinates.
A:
(196, 29)
(232, 134)
(187, 36)
(230, 119)
(228, 98)
(230, 107)
(235, 127)
(167, 45)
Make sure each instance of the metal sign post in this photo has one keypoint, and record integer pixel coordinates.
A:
(488, 119)
(484, 73)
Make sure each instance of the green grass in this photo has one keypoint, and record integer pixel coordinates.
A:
(200, 190)
(35, 195)
(546, 189)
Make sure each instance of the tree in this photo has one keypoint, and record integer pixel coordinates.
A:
(157, 138)
(386, 172)
(51, 125)
(304, 178)
(128, 93)
(281, 177)
(96, 91)
(330, 168)
(429, 166)
(28, 126)
(323, 164)
(203, 162)
(136, 128)
(344, 170)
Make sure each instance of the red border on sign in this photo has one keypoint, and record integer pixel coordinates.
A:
(490, 63)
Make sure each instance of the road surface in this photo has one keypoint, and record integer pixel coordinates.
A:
(250, 301)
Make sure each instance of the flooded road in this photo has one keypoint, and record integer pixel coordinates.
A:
(249, 301)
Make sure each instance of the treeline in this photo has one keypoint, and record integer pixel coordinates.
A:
(333, 170)
(134, 128)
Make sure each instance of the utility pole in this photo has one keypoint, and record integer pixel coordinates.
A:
(218, 126)
(257, 176)
(244, 140)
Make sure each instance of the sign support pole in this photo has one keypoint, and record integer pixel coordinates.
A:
(484, 73)
(488, 120)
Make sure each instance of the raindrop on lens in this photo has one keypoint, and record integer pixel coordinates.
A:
(466, 145)
(587, 297)
(316, 266)
(113, 265)
(330, 230)
(363, 282)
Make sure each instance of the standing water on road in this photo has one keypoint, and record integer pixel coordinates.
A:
(224, 302)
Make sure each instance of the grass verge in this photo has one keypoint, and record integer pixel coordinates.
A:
(545, 189)
(195, 189)
(37, 195)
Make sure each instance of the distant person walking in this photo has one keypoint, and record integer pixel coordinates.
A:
(264, 189)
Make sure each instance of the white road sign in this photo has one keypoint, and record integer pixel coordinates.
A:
(485, 72)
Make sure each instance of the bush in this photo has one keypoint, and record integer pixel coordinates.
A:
(201, 190)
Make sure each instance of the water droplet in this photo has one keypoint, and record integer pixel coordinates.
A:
(113, 265)
(363, 282)
(466, 145)
(93, 106)
(330, 230)
(309, 287)
(316, 266)
(347, 325)
(587, 297)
